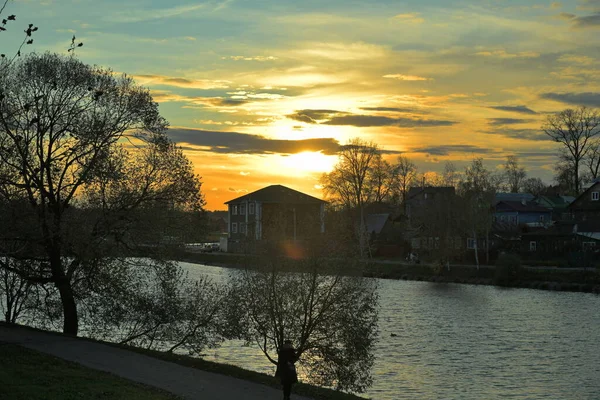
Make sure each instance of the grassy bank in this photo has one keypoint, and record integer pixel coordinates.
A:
(564, 279)
(53, 370)
(29, 375)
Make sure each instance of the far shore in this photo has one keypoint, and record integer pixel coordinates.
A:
(585, 280)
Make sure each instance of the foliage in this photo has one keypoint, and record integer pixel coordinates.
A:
(508, 269)
(151, 304)
(74, 192)
(331, 319)
(15, 292)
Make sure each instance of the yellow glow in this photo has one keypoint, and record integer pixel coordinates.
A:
(308, 162)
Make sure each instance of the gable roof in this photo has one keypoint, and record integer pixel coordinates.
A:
(520, 207)
(278, 194)
(376, 222)
(498, 197)
(555, 201)
(594, 187)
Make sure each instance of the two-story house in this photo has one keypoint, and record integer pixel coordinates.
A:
(274, 213)
(515, 213)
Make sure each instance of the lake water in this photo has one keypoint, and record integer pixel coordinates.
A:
(456, 341)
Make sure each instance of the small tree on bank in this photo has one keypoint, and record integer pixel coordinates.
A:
(331, 319)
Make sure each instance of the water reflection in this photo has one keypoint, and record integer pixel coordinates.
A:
(456, 341)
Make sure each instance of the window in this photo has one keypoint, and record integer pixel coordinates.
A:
(234, 227)
(595, 196)
(471, 243)
(588, 245)
(251, 208)
(502, 218)
(242, 209)
(242, 227)
(532, 246)
(234, 209)
(542, 218)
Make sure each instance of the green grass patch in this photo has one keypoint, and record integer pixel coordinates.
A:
(29, 375)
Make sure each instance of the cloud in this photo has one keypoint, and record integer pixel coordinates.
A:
(503, 54)
(589, 21)
(250, 58)
(140, 15)
(375, 120)
(181, 82)
(413, 18)
(576, 59)
(341, 118)
(517, 109)
(407, 77)
(392, 109)
(451, 148)
(507, 121)
(590, 99)
(313, 116)
(521, 134)
(241, 143)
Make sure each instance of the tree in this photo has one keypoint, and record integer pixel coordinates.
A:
(450, 177)
(332, 319)
(575, 129)
(348, 182)
(514, 173)
(406, 172)
(27, 40)
(535, 186)
(381, 179)
(478, 189)
(65, 168)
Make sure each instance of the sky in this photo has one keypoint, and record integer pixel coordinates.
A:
(261, 92)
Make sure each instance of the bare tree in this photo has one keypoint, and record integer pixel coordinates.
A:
(478, 189)
(406, 173)
(515, 174)
(450, 176)
(332, 319)
(62, 126)
(575, 129)
(348, 182)
(381, 179)
(535, 186)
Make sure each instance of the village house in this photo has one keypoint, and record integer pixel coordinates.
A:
(275, 213)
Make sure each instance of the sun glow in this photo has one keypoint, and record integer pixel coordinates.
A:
(308, 162)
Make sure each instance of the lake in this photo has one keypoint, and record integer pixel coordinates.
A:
(454, 341)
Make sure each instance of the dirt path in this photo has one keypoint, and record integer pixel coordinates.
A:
(188, 383)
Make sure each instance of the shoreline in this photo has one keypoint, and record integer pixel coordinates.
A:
(538, 278)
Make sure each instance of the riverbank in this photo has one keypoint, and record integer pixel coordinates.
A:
(541, 278)
(184, 376)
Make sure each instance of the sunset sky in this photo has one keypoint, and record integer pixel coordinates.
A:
(262, 92)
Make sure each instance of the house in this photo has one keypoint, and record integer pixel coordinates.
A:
(433, 220)
(558, 204)
(511, 214)
(586, 205)
(274, 213)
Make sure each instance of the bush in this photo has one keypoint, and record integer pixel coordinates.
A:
(508, 269)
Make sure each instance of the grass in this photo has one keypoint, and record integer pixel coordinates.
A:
(303, 389)
(29, 375)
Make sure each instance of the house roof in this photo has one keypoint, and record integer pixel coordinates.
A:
(376, 222)
(595, 186)
(498, 197)
(278, 194)
(444, 190)
(555, 201)
(520, 207)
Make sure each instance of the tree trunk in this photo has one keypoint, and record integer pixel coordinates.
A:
(70, 319)
(476, 249)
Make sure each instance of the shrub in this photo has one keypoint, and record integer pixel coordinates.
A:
(508, 269)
